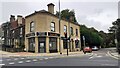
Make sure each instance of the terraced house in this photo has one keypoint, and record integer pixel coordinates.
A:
(14, 32)
(44, 33)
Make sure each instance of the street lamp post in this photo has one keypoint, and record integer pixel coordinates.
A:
(116, 42)
(84, 40)
(60, 49)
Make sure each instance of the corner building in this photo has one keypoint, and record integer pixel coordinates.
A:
(44, 33)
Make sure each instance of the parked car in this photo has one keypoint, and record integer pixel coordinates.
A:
(87, 49)
(95, 48)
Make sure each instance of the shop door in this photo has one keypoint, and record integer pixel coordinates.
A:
(41, 47)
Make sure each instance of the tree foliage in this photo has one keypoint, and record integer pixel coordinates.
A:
(91, 35)
(115, 28)
(66, 14)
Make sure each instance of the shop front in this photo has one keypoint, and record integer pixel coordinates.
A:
(43, 42)
(53, 42)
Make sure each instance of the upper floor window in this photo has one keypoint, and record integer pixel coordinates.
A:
(76, 32)
(32, 26)
(21, 30)
(71, 31)
(52, 26)
(65, 28)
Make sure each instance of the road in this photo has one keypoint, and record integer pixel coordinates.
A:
(96, 58)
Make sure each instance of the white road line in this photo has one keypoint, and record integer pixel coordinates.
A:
(106, 54)
(16, 59)
(99, 56)
(28, 61)
(2, 64)
(8, 59)
(90, 57)
(34, 60)
(1, 60)
(51, 57)
(45, 58)
(12, 63)
(20, 62)
(40, 59)
(22, 58)
(108, 64)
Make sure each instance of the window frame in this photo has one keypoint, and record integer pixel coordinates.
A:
(65, 30)
(32, 26)
(76, 32)
(71, 30)
(52, 28)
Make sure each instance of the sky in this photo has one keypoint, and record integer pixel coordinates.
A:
(93, 13)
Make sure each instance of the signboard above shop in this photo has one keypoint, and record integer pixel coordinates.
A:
(30, 34)
(53, 34)
(41, 33)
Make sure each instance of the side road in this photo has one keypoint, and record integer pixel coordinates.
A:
(25, 54)
(114, 54)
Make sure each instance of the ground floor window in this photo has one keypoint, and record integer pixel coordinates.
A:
(31, 42)
(64, 44)
(52, 44)
(77, 43)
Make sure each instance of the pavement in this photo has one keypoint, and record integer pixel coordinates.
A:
(25, 54)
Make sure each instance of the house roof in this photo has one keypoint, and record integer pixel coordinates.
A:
(46, 12)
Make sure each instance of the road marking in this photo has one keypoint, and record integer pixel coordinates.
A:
(90, 57)
(22, 58)
(12, 63)
(108, 64)
(28, 61)
(40, 59)
(8, 59)
(20, 62)
(112, 56)
(51, 57)
(106, 54)
(34, 60)
(99, 56)
(2, 64)
(16, 59)
(45, 58)
(1, 60)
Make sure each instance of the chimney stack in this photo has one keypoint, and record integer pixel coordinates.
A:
(51, 8)
(12, 18)
(19, 18)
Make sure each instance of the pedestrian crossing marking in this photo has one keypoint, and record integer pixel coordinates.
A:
(20, 62)
(12, 63)
(2, 64)
(28, 61)
(34, 60)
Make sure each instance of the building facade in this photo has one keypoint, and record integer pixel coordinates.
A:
(44, 33)
(14, 33)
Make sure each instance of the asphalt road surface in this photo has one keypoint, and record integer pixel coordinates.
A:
(96, 58)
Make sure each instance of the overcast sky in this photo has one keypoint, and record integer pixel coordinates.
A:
(93, 13)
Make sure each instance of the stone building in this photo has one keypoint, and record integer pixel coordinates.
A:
(44, 33)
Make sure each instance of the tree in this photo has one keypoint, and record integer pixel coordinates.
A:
(115, 30)
(92, 37)
(66, 14)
